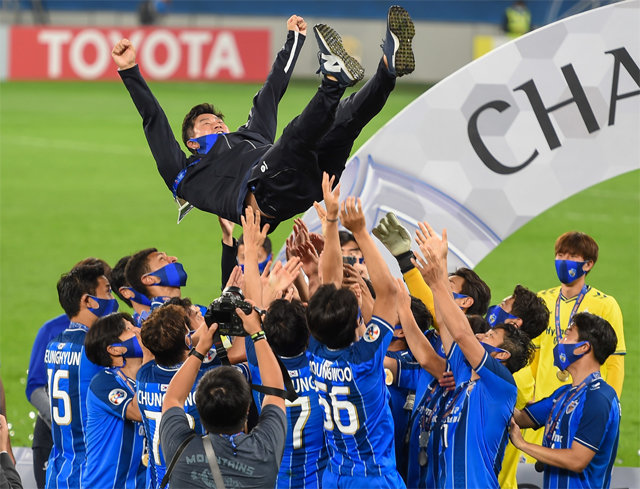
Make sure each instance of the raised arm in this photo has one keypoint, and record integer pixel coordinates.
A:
(454, 321)
(270, 372)
(182, 382)
(167, 152)
(253, 236)
(418, 343)
(331, 254)
(352, 218)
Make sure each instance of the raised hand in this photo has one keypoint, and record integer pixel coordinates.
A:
(393, 235)
(426, 236)
(124, 54)
(298, 24)
(352, 215)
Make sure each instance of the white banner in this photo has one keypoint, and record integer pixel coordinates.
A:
(509, 135)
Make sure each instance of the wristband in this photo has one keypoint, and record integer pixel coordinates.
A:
(196, 354)
(404, 260)
(331, 220)
(260, 335)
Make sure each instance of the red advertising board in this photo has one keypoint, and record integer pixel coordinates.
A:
(68, 53)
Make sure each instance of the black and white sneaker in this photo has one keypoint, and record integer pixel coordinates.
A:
(334, 59)
(397, 43)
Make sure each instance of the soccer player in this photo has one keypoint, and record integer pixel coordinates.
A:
(581, 420)
(85, 295)
(156, 275)
(575, 255)
(348, 370)
(305, 454)
(139, 302)
(231, 170)
(37, 385)
(472, 423)
(164, 333)
(114, 432)
(528, 312)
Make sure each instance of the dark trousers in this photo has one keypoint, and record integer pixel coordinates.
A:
(288, 178)
(41, 448)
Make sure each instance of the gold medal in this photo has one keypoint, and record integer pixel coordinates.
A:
(562, 375)
(388, 376)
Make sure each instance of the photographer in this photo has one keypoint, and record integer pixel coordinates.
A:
(222, 399)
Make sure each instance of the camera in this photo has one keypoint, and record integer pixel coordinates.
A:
(223, 311)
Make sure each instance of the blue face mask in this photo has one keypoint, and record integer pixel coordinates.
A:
(105, 306)
(492, 349)
(569, 271)
(171, 275)
(205, 142)
(261, 265)
(139, 298)
(134, 350)
(563, 355)
(497, 315)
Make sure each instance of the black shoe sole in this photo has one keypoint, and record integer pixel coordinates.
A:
(401, 25)
(333, 43)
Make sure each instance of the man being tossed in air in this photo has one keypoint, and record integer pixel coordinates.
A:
(231, 170)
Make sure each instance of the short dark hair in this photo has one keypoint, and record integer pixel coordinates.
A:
(518, 344)
(531, 309)
(222, 398)
(104, 332)
(73, 285)
(332, 316)
(478, 323)
(476, 288)
(118, 279)
(346, 237)
(285, 325)
(421, 314)
(190, 119)
(598, 332)
(266, 245)
(136, 267)
(578, 243)
(163, 334)
(92, 260)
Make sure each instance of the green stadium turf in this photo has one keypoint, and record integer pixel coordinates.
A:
(77, 180)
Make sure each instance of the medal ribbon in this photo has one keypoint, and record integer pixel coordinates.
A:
(579, 299)
(550, 425)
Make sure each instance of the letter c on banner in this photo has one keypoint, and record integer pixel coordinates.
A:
(481, 149)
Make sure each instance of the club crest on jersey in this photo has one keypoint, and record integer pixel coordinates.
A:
(372, 333)
(117, 396)
(211, 354)
(572, 405)
(60, 346)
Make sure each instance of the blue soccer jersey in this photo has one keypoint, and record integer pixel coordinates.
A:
(588, 414)
(402, 399)
(357, 420)
(152, 382)
(37, 376)
(69, 374)
(114, 443)
(305, 454)
(473, 424)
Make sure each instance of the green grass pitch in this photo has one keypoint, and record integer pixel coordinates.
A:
(77, 180)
